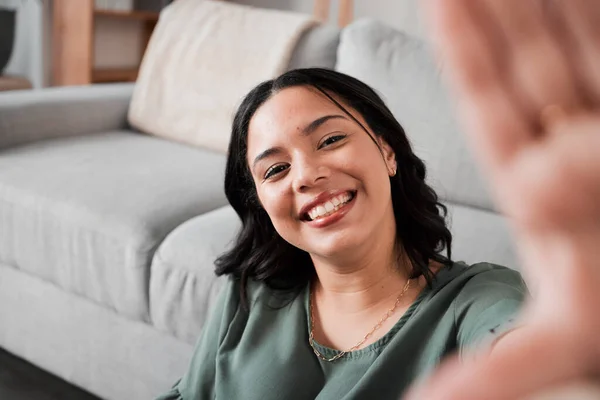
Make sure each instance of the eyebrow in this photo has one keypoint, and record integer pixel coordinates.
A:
(307, 130)
(267, 153)
(313, 126)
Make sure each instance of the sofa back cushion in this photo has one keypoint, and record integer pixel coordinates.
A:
(317, 47)
(402, 70)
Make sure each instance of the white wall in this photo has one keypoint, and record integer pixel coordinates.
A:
(401, 14)
(28, 58)
(297, 5)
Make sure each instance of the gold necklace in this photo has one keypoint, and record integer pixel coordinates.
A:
(311, 338)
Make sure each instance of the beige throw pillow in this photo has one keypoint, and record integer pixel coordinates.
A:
(204, 56)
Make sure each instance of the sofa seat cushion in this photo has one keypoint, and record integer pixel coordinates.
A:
(88, 212)
(183, 284)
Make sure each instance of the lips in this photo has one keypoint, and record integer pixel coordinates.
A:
(326, 204)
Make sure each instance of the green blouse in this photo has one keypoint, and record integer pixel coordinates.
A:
(264, 354)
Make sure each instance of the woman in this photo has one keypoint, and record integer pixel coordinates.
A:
(342, 284)
(341, 248)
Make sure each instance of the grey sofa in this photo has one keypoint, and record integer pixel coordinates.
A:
(108, 236)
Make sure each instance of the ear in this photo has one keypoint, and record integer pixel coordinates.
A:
(388, 156)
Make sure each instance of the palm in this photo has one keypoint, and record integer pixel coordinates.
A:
(526, 75)
(553, 182)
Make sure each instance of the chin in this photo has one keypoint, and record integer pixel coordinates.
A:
(335, 247)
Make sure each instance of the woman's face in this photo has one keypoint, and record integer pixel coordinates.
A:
(322, 180)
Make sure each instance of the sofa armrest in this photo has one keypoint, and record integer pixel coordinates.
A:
(28, 116)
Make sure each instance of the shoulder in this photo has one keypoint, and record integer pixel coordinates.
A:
(482, 277)
(256, 295)
(462, 286)
(467, 276)
(232, 306)
(245, 316)
(486, 301)
(487, 285)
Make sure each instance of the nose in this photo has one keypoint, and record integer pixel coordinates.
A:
(308, 173)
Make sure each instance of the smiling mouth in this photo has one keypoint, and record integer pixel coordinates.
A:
(329, 207)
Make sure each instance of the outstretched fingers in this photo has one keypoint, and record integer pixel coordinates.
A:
(537, 62)
(583, 19)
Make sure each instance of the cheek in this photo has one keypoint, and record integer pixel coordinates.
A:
(369, 168)
(375, 181)
(278, 205)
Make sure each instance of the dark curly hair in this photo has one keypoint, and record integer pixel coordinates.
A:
(260, 254)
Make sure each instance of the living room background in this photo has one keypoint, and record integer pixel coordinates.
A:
(117, 41)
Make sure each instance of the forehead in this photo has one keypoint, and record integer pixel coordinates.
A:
(286, 113)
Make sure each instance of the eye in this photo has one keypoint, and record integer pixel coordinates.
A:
(331, 140)
(274, 170)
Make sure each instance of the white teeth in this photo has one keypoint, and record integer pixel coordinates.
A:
(330, 206)
(321, 210)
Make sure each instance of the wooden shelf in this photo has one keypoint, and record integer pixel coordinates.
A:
(107, 75)
(136, 15)
(13, 83)
(74, 38)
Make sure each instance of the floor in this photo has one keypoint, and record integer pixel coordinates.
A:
(20, 380)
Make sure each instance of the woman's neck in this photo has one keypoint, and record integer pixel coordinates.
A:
(364, 283)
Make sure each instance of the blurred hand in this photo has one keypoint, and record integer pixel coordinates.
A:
(526, 77)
